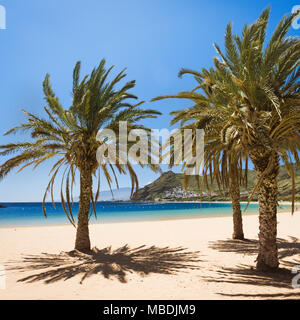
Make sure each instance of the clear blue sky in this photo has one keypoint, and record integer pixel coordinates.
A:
(152, 38)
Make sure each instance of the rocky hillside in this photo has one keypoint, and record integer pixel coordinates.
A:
(170, 180)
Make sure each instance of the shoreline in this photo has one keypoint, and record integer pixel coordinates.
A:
(222, 270)
(254, 213)
(175, 201)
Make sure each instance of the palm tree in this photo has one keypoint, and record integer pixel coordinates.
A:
(71, 136)
(225, 167)
(255, 89)
(260, 82)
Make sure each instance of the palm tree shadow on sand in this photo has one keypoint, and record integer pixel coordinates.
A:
(286, 248)
(107, 262)
(244, 274)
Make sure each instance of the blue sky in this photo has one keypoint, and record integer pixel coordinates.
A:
(153, 39)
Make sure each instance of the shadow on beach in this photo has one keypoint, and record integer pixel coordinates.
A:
(244, 274)
(286, 248)
(106, 262)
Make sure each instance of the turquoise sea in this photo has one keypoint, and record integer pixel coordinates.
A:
(30, 214)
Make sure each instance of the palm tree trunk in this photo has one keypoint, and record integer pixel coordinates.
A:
(237, 213)
(83, 243)
(267, 197)
(234, 189)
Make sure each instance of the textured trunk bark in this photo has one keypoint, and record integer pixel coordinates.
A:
(267, 259)
(83, 243)
(234, 189)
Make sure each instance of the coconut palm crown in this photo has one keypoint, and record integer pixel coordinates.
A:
(220, 165)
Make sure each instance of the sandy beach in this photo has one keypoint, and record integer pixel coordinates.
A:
(153, 265)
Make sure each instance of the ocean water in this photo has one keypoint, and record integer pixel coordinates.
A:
(31, 214)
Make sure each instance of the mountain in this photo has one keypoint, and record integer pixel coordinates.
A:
(170, 180)
(122, 194)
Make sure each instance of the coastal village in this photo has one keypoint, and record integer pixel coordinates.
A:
(179, 193)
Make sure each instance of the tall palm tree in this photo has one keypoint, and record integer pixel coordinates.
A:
(70, 135)
(260, 82)
(220, 165)
(256, 89)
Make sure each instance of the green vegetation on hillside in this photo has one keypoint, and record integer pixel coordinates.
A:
(169, 180)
